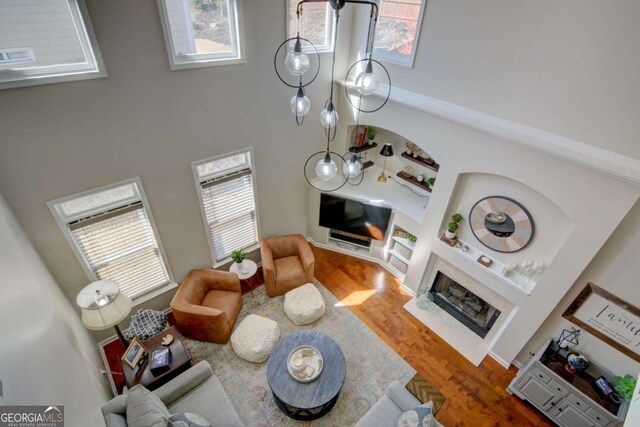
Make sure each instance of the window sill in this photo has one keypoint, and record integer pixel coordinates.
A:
(175, 66)
(156, 292)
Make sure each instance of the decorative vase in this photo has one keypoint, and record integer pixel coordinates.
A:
(416, 154)
(576, 363)
(420, 178)
(241, 267)
(409, 152)
(370, 141)
(449, 235)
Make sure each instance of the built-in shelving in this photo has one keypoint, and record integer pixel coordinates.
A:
(413, 180)
(365, 147)
(471, 253)
(423, 161)
(400, 251)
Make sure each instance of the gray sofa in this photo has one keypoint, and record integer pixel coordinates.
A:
(387, 410)
(195, 390)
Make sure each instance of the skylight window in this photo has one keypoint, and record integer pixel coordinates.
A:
(398, 30)
(201, 33)
(46, 42)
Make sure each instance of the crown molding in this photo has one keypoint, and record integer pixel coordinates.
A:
(599, 159)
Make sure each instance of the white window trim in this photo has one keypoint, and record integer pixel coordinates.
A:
(403, 60)
(66, 231)
(203, 59)
(65, 72)
(328, 33)
(196, 179)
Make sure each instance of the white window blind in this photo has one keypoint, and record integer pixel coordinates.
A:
(112, 234)
(228, 204)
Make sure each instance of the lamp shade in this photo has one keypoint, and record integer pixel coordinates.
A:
(103, 305)
(387, 150)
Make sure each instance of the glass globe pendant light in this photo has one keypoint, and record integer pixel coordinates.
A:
(352, 167)
(366, 82)
(326, 168)
(300, 105)
(329, 116)
(297, 62)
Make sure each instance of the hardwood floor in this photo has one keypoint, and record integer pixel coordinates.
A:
(476, 396)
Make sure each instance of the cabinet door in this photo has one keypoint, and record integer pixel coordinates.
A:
(538, 393)
(569, 416)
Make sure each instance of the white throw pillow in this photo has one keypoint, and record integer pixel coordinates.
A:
(145, 409)
(188, 419)
(420, 416)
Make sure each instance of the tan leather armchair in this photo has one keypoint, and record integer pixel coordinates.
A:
(287, 262)
(207, 304)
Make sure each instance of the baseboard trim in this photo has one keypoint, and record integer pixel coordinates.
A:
(362, 256)
(500, 360)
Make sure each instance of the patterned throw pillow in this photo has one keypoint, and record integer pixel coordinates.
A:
(188, 419)
(420, 416)
(145, 324)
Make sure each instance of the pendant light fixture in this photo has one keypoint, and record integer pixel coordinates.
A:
(326, 170)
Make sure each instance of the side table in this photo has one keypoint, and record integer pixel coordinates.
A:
(180, 362)
(251, 269)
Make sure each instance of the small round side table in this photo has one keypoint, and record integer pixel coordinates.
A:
(251, 268)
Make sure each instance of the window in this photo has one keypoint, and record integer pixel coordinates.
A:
(398, 30)
(46, 42)
(112, 233)
(225, 187)
(316, 24)
(201, 33)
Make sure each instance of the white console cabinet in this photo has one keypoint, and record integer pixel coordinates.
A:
(566, 399)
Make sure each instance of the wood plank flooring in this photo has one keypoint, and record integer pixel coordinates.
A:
(476, 396)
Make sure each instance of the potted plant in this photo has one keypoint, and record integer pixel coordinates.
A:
(238, 256)
(412, 239)
(371, 134)
(625, 387)
(453, 225)
(431, 181)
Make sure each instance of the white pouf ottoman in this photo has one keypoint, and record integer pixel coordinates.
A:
(255, 338)
(304, 305)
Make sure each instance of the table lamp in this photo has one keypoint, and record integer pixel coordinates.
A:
(104, 306)
(387, 151)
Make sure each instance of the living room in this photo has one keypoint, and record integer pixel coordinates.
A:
(524, 109)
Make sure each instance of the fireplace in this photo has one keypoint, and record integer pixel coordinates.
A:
(471, 310)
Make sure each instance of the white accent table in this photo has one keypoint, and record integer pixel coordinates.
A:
(251, 269)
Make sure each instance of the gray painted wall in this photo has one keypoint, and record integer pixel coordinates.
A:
(562, 66)
(44, 344)
(145, 120)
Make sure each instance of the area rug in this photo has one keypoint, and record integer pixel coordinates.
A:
(424, 391)
(371, 364)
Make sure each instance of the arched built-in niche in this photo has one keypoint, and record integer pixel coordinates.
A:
(416, 163)
(552, 226)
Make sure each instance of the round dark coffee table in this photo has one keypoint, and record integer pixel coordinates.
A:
(307, 401)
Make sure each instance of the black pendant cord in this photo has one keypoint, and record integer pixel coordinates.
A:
(330, 136)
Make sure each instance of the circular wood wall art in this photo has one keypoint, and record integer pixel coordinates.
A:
(501, 224)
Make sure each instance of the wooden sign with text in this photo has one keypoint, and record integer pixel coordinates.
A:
(607, 317)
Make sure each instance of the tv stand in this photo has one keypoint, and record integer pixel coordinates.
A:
(351, 238)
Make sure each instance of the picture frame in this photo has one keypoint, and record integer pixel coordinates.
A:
(133, 354)
(607, 317)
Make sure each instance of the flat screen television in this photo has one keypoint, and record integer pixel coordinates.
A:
(354, 217)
